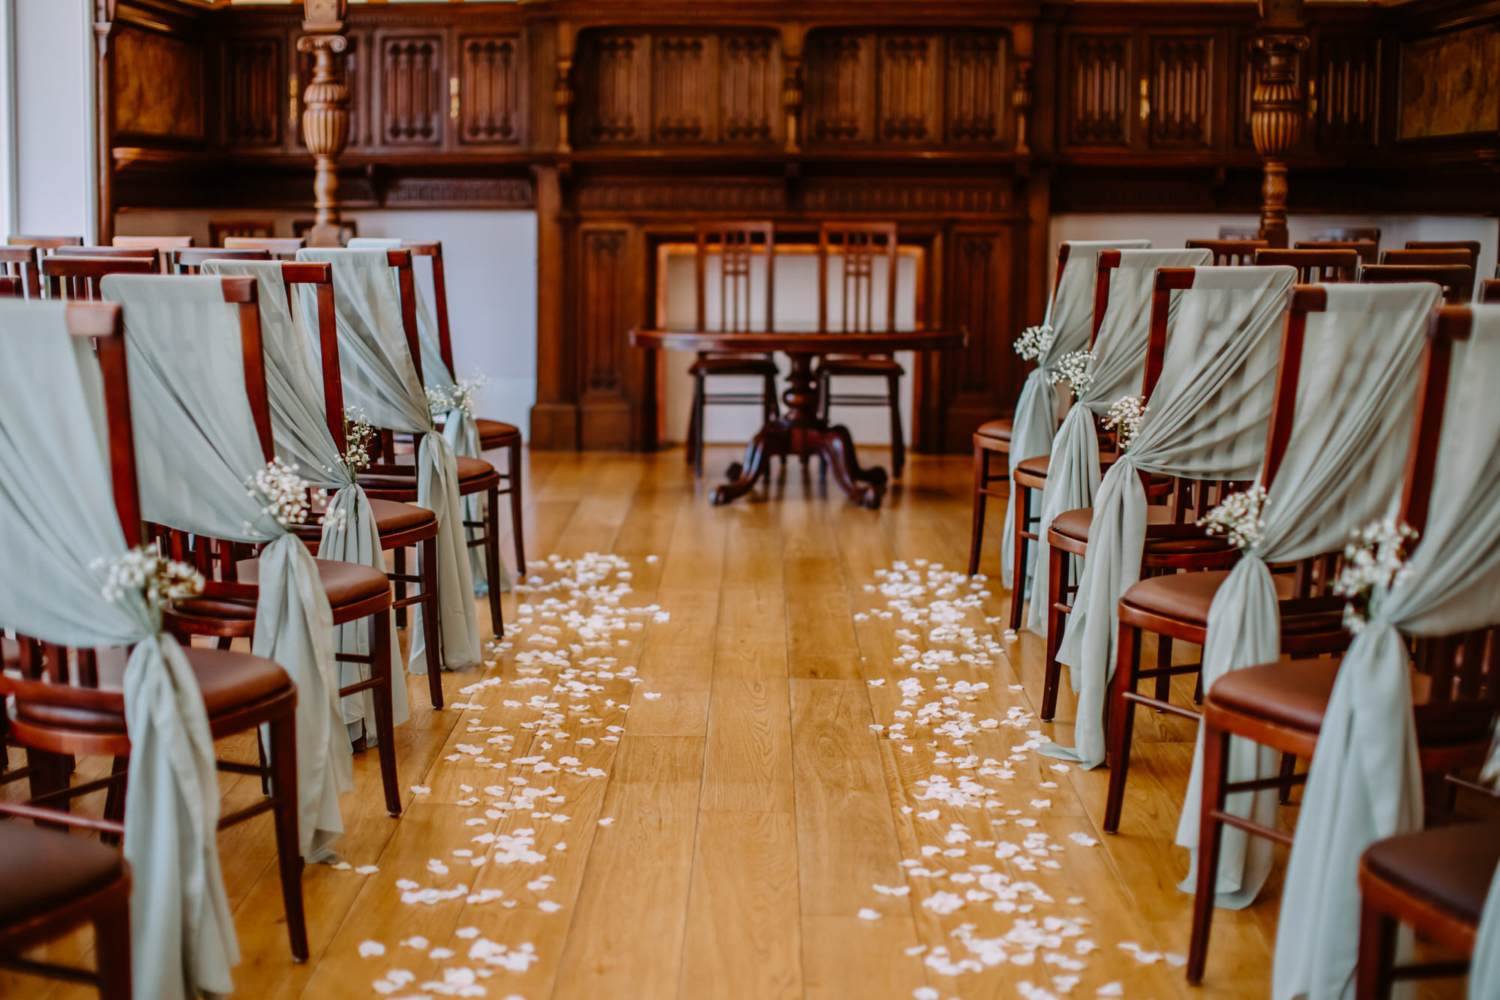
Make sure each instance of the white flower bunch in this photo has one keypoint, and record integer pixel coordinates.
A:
(357, 436)
(1126, 416)
(461, 396)
(1374, 561)
(284, 491)
(145, 570)
(1238, 517)
(1034, 342)
(1072, 368)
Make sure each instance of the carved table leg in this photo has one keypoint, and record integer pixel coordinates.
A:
(769, 441)
(864, 486)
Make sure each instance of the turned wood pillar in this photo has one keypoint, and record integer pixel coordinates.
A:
(325, 112)
(1277, 109)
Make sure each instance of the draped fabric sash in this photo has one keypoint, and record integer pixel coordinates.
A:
(300, 429)
(1207, 420)
(1364, 783)
(1342, 468)
(57, 519)
(380, 378)
(1118, 369)
(196, 449)
(1070, 313)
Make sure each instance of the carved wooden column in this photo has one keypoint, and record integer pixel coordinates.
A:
(325, 112)
(1277, 110)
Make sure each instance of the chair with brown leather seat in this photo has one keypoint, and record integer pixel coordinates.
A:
(44, 244)
(1229, 252)
(1367, 250)
(1456, 280)
(78, 278)
(1471, 247)
(23, 263)
(55, 883)
(71, 701)
(1461, 255)
(1433, 881)
(1314, 266)
(1455, 694)
(190, 260)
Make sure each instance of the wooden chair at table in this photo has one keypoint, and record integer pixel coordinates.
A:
(736, 244)
(59, 707)
(1347, 234)
(11, 287)
(219, 230)
(1239, 233)
(1471, 246)
(190, 261)
(1368, 250)
(119, 253)
(494, 435)
(44, 244)
(1229, 252)
(285, 247)
(1433, 881)
(1316, 266)
(1455, 686)
(862, 248)
(1461, 256)
(226, 610)
(1456, 280)
(1489, 291)
(78, 277)
(163, 245)
(400, 525)
(22, 262)
(389, 480)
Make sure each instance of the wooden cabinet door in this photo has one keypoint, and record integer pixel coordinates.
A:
(410, 89)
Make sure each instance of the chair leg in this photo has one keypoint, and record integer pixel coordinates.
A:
(1020, 502)
(1163, 690)
(695, 428)
(1121, 723)
(1377, 951)
(1057, 564)
(1210, 841)
(769, 409)
(517, 503)
(432, 633)
(1288, 772)
(399, 586)
(385, 726)
(981, 479)
(48, 774)
(112, 945)
(288, 843)
(898, 436)
(492, 559)
(114, 798)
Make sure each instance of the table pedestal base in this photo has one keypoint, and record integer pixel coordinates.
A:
(802, 432)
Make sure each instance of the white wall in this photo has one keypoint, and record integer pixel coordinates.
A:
(54, 146)
(489, 259)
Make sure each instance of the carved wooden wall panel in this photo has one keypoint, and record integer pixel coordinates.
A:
(158, 85)
(613, 90)
(1348, 93)
(490, 106)
(976, 274)
(251, 73)
(602, 280)
(412, 89)
(910, 95)
(1180, 91)
(977, 91)
(750, 88)
(1098, 88)
(840, 69)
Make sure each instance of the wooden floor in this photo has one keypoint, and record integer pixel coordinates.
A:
(753, 808)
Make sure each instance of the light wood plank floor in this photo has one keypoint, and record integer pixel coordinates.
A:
(752, 808)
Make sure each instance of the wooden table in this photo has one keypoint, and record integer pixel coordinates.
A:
(800, 430)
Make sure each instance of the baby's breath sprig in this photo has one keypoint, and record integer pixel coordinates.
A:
(1374, 562)
(1238, 517)
(357, 436)
(1072, 369)
(462, 395)
(145, 570)
(284, 491)
(1034, 342)
(1126, 416)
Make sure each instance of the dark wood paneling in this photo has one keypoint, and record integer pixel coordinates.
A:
(412, 89)
(158, 84)
(750, 88)
(977, 94)
(910, 92)
(683, 82)
(1348, 91)
(1180, 90)
(614, 74)
(1098, 89)
(840, 87)
(251, 69)
(490, 92)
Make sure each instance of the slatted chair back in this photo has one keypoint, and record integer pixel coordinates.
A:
(434, 250)
(149, 253)
(1368, 250)
(1230, 251)
(1347, 234)
(1452, 255)
(863, 249)
(45, 244)
(220, 230)
(1456, 280)
(1472, 246)
(1489, 291)
(161, 244)
(736, 244)
(190, 261)
(285, 247)
(1314, 267)
(78, 277)
(21, 262)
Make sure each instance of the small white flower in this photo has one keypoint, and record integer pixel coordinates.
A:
(1238, 517)
(1374, 562)
(1034, 342)
(357, 436)
(144, 570)
(1073, 368)
(1126, 415)
(284, 492)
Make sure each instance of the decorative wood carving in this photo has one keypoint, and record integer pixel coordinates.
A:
(750, 88)
(840, 70)
(613, 106)
(1276, 125)
(733, 196)
(459, 192)
(252, 90)
(909, 92)
(489, 91)
(354, 82)
(972, 306)
(1348, 96)
(1098, 89)
(1181, 108)
(412, 82)
(976, 91)
(602, 286)
(681, 85)
(325, 128)
(158, 85)
(909, 196)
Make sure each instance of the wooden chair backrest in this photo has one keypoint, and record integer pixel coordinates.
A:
(736, 244)
(45, 244)
(320, 276)
(434, 249)
(11, 287)
(149, 253)
(1471, 246)
(1456, 280)
(1239, 233)
(253, 228)
(1368, 250)
(862, 246)
(1230, 251)
(1314, 267)
(1347, 234)
(21, 262)
(285, 246)
(190, 261)
(78, 277)
(1454, 255)
(162, 244)
(1489, 291)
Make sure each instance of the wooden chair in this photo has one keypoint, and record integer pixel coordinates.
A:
(1434, 881)
(1368, 250)
(1239, 233)
(226, 610)
(220, 230)
(862, 247)
(401, 525)
(494, 435)
(1230, 252)
(348, 229)
(60, 707)
(1455, 687)
(736, 244)
(1173, 539)
(22, 262)
(1314, 267)
(1347, 234)
(1472, 246)
(161, 244)
(55, 883)
(1456, 280)
(190, 261)
(150, 253)
(79, 277)
(11, 287)
(285, 247)
(1489, 291)
(389, 480)
(1435, 255)
(45, 244)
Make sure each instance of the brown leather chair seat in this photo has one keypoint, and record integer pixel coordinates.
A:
(345, 583)
(45, 870)
(1075, 524)
(228, 680)
(494, 434)
(854, 364)
(1000, 429)
(1187, 596)
(392, 516)
(1450, 867)
(469, 470)
(725, 365)
(1037, 466)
